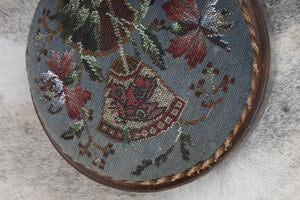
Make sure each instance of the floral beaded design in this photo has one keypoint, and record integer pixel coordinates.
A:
(192, 26)
(87, 22)
(55, 85)
(121, 80)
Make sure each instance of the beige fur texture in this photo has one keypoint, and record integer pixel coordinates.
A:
(265, 167)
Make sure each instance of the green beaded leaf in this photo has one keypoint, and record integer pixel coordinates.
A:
(75, 130)
(153, 48)
(135, 47)
(71, 13)
(95, 71)
(140, 168)
(79, 18)
(91, 31)
(185, 154)
(94, 3)
(144, 5)
(179, 28)
(82, 21)
(162, 158)
(70, 78)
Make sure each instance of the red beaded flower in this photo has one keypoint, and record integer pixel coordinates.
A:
(193, 26)
(55, 89)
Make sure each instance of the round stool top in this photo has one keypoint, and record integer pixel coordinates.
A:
(145, 95)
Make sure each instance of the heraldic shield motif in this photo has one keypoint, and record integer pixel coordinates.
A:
(136, 99)
(144, 95)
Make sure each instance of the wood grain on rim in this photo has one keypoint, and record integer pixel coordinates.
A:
(260, 46)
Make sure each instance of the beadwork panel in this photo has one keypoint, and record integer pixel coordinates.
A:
(139, 90)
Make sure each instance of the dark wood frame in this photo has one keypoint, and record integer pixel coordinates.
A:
(261, 49)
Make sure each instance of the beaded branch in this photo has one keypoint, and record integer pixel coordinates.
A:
(79, 127)
(208, 103)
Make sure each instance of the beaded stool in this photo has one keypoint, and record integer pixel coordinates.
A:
(146, 95)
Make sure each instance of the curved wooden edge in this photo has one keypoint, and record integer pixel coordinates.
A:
(258, 87)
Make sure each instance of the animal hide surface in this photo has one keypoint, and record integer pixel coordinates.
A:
(265, 166)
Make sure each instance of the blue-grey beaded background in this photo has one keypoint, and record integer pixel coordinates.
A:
(152, 94)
